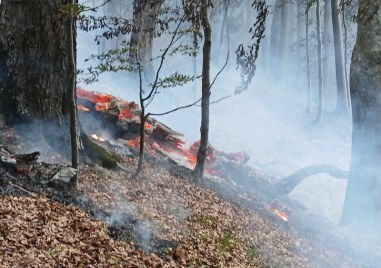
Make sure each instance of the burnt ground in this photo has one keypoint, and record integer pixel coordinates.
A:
(162, 219)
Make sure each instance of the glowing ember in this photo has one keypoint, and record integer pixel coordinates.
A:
(83, 108)
(148, 126)
(281, 214)
(135, 142)
(102, 106)
(159, 137)
(94, 96)
(96, 137)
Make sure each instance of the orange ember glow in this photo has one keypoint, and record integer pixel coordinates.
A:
(135, 142)
(94, 96)
(148, 126)
(83, 108)
(160, 137)
(102, 106)
(281, 214)
(96, 137)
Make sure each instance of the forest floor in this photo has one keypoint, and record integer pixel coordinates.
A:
(162, 219)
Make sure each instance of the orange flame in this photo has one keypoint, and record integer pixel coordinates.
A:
(96, 137)
(83, 108)
(281, 214)
(94, 96)
(102, 106)
(134, 142)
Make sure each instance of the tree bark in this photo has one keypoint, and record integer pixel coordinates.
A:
(284, 46)
(299, 41)
(34, 73)
(275, 41)
(342, 101)
(146, 13)
(320, 72)
(72, 93)
(308, 63)
(363, 197)
(346, 56)
(327, 39)
(202, 151)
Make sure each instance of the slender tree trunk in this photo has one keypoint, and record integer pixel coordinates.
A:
(308, 62)
(72, 92)
(142, 124)
(320, 72)
(362, 204)
(275, 40)
(299, 41)
(194, 62)
(284, 46)
(141, 43)
(345, 56)
(203, 150)
(34, 72)
(266, 50)
(342, 102)
(224, 26)
(327, 43)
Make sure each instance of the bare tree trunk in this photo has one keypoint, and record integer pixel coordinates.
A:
(284, 46)
(34, 73)
(327, 38)
(142, 124)
(308, 62)
(299, 41)
(275, 41)
(345, 58)
(202, 151)
(342, 102)
(363, 197)
(145, 17)
(224, 26)
(194, 62)
(320, 73)
(72, 93)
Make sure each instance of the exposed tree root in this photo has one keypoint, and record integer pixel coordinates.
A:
(286, 185)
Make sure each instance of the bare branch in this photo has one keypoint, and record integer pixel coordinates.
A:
(217, 101)
(178, 108)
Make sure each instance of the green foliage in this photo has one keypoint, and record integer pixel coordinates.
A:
(207, 221)
(175, 79)
(167, 250)
(75, 10)
(247, 56)
(252, 253)
(227, 242)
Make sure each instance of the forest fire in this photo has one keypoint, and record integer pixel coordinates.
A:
(281, 214)
(158, 136)
(97, 138)
(83, 108)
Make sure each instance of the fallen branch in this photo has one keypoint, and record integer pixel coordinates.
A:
(286, 185)
(33, 194)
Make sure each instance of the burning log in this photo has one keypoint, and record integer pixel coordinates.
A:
(123, 119)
